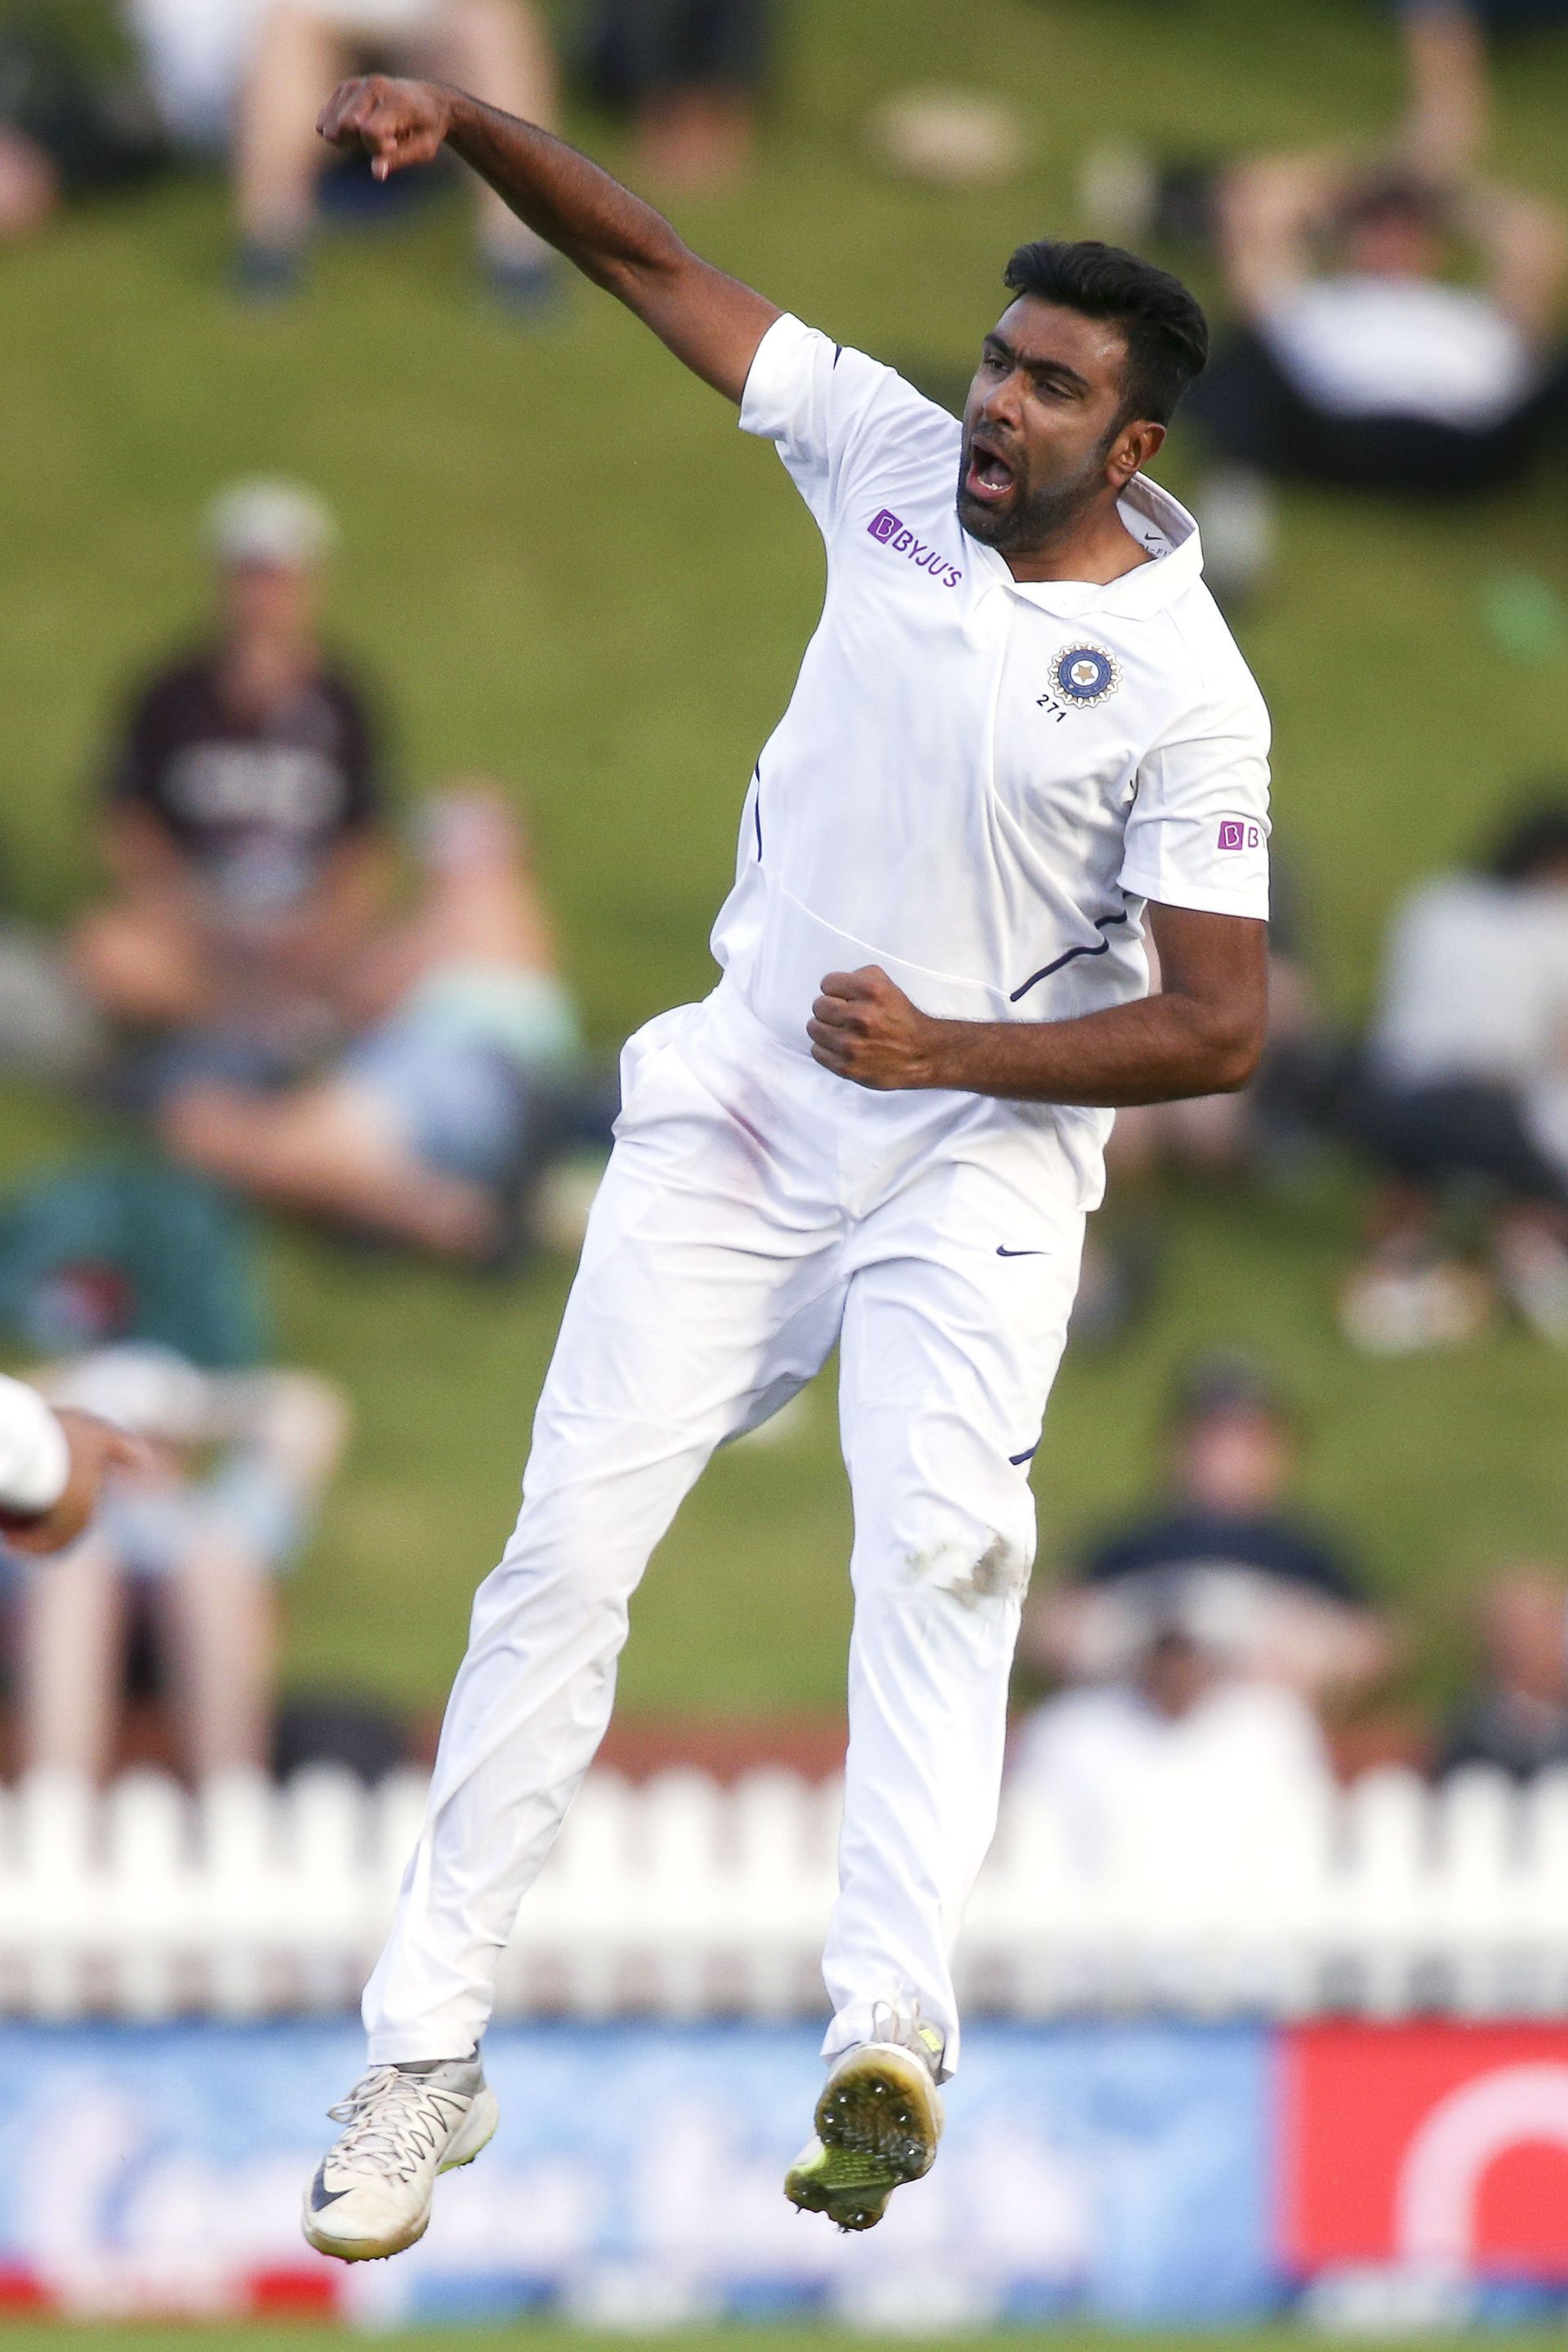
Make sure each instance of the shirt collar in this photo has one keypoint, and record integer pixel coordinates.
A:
(1139, 593)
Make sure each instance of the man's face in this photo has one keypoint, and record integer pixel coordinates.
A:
(1042, 424)
(267, 600)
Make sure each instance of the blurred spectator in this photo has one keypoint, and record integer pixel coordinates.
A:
(1464, 1094)
(496, 48)
(1518, 1716)
(691, 72)
(1224, 1562)
(1179, 1760)
(1371, 368)
(75, 119)
(427, 1127)
(184, 1555)
(242, 829)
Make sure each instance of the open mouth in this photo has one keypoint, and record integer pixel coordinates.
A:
(988, 475)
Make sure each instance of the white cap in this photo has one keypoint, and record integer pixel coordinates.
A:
(151, 1392)
(271, 522)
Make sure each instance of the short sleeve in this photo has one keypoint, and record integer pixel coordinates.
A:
(829, 410)
(1197, 835)
(362, 756)
(134, 763)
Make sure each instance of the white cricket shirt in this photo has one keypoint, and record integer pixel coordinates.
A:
(979, 785)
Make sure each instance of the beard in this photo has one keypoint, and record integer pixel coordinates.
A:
(1034, 517)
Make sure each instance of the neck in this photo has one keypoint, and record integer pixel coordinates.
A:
(1096, 547)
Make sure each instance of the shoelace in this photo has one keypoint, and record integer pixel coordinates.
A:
(394, 2121)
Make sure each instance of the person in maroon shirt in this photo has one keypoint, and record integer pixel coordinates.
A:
(243, 829)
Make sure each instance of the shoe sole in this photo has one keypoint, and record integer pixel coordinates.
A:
(473, 2137)
(878, 2120)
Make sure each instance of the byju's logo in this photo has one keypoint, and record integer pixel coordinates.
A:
(1239, 833)
(888, 532)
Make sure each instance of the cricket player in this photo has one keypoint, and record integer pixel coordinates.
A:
(52, 1468)
(1021, 740)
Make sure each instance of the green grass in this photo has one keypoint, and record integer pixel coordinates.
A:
(573, 571)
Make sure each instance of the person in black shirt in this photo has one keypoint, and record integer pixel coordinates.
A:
(1225, 1561)
(242, 828)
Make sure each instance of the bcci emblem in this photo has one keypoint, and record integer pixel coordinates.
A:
(1085, 676)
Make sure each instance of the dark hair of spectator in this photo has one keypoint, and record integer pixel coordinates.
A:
(1167, 333)
(1225, 1385)
(1392, 197)
(1534, 843)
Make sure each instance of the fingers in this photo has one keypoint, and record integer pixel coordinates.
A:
(384, 118)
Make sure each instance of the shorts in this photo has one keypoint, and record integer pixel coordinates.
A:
(648, 47)
(464, 1109)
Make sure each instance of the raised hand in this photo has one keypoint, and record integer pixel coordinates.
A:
(397, 122)
(97, 1448)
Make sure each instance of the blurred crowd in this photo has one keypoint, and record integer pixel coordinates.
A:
(299, 992)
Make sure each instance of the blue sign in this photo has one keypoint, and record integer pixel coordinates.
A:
(1116, 2170)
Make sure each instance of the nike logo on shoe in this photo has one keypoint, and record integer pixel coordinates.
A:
(322, 2196)
(1008, 1253)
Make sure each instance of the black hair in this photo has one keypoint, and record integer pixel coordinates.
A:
(1167, 333)
(1535, 837)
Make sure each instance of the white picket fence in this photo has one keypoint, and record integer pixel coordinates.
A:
(684, 1898)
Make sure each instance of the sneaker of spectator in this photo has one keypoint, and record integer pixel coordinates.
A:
(1462, 1100)
(189, 1548)
(692, 73)
(1516, 1719)
(1222, 1559)
(242, 822)
(497, 48)
(430, 1128)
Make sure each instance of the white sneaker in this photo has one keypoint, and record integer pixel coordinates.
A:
(878, 2121)
(371, 2196)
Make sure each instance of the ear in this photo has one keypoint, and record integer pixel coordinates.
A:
(1135, 447)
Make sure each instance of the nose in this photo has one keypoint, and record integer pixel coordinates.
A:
(1003, 403)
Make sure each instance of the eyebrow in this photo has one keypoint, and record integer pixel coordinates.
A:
(1057, 367)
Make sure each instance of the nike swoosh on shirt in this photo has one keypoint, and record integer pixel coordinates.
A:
(1008, 1253)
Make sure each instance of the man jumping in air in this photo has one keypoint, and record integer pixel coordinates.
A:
(1020, 736)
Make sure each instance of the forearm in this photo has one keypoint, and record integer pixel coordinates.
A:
(1161, 1049)
(610, 235)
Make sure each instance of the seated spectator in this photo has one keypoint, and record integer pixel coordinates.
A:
(1223, 1562)
(496, 48)
(426, 1127)
(1464, 1092)
(242, 825)
(185, 1554)
(691, 71)
(1374, 369)
(1517, 1718)
(1178, 1761)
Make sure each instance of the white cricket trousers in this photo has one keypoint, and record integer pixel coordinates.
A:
(755, 1211)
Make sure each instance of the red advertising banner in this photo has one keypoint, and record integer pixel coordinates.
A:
(1441, 2145)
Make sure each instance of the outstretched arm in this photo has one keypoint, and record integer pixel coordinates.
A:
(709, 319)
(1201, 1034)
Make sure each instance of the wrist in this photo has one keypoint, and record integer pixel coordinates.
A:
(941, 1058)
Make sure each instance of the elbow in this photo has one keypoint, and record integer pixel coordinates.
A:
(1232, 1050)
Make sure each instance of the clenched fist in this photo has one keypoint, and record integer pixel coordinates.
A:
(865, 1029)
(397, 122)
